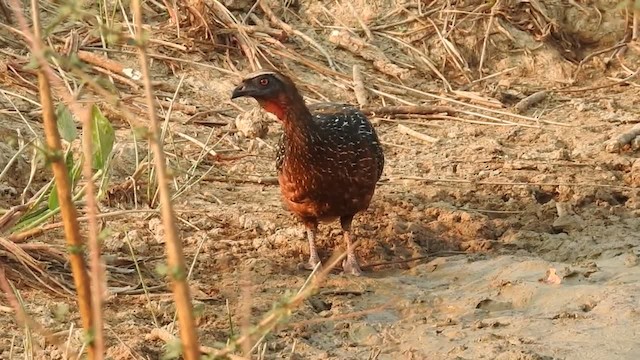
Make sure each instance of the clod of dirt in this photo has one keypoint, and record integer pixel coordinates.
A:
(155, 225)
(567, 220)
(7, 191)
(568, 223)
(631, 260)
(634, 176)
(319, 305)
(118, 242)
(124, 158)
(250, 221)
(363, 334)
(482, 324)
(253, 123)
(551, 277)
(493, 305)
(460, 226)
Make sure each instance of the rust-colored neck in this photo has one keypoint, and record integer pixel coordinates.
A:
(296, 118)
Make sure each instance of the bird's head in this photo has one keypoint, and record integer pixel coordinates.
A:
(274, 91)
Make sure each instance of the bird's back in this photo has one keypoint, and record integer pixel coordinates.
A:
(350, 128)
(335, 173)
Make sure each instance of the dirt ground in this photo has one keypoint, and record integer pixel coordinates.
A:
(529, 232)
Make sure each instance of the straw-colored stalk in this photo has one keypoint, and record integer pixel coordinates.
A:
(63, 185)
(97, 273)
(175, 258)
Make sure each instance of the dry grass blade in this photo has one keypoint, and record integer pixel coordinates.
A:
(422, 57)
(503, 183)
(418, 135)
(175, 256)
(486, 35)
(33, 267)
(489, 110)
(287, 28)
(368, 52)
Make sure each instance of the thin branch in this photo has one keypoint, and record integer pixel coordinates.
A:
(175, 256)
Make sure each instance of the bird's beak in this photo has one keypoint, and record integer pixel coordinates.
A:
(240, 91)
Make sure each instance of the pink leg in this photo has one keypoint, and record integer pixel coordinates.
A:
(350, 263)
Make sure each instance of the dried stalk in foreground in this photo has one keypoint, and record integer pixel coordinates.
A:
(175, 258)
(97, 274)
(63, 186)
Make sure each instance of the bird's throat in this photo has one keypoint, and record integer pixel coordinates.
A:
(274, 107)
(294, 116)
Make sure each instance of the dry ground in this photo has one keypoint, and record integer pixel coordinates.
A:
(489, 225)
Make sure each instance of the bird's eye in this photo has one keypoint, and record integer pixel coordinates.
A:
(264, 82)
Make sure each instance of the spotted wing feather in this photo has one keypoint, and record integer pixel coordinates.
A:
(349, 121)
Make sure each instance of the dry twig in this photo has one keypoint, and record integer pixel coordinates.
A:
(530, 100)
(408, 110)
(618, 142)
(418, 135)
(368, 52)
(358, 86)
(290, 30)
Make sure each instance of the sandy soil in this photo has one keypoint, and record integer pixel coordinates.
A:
(505, 277)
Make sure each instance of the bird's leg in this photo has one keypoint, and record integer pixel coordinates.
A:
(314, 259)
(350, 263)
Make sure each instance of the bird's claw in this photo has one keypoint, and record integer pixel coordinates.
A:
(311, 264)
(351, 267)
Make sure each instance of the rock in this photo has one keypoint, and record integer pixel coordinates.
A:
(363, 334)
(634, 175)
(253, 123)
(561, 154)
(155, 225)
(8, 191)
(631, 260)
(567, 220)
(568, 223)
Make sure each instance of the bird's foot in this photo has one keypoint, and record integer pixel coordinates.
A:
(350, 266)
(311, 264)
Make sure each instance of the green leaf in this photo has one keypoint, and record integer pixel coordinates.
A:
(103, 136)
(173, 350)
(61, 312)
(32, 64)
(53, 199)
(162, 269)
(74, 173)
(66, 125)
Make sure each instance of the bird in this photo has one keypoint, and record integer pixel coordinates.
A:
(328, 159)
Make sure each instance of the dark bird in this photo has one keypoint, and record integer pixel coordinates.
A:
(329, 158)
